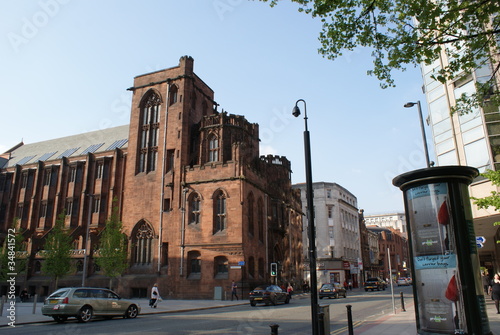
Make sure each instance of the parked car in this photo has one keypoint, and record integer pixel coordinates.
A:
(375, 284)
(85, 302)
(269, 295)
(403, 281)
(334, 290)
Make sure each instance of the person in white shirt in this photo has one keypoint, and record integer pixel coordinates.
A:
(155, 295)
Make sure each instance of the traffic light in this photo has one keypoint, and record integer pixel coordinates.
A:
(274, 269)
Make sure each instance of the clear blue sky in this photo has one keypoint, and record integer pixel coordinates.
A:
(66, 65)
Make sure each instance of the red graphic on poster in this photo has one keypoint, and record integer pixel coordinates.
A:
(452, 290)
(444, 214)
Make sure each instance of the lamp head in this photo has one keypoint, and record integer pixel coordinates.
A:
(296, 111)
(410, 104)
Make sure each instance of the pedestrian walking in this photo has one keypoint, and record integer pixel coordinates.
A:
(155, 296)
(495, 291)
(24, 295)
(289, 290)
(234, 293)
(486, 282)
(350, 285)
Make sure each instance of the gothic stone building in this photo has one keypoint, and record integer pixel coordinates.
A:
(199, 206)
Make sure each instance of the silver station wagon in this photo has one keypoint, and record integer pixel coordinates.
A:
(85, 302)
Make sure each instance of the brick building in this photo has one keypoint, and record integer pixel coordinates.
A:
(370, 253)
(392, 243)
(199, 205)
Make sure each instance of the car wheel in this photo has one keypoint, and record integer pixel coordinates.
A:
(366, 290)
(132, 312)
(321, 297)
(85, 314)
(252, 303)
(60, 319)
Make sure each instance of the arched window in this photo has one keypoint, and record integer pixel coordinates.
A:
(219, 212)
(149, 131)
(213, 149)
(194, 265)
(221, 270)
(260, 219)
(251, 267)
(261, 268)
(143, 244)
(173, 93)
(204, 108)
(194, 208)
(250, 214)
(76, 243)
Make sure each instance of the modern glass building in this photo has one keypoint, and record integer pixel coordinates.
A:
(471, 139)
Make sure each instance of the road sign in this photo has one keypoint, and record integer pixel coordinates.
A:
(241, 263)
(480, 239)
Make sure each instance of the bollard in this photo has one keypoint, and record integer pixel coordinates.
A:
(349, 320)
(402, 303)
(321, 321)
(2, 300)
(34, 303)
(274, 329)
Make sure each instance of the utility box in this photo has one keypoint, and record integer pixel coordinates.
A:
(324, 320)
(218, 293)
(447, 289)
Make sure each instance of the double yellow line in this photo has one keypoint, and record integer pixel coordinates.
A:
(346, 328)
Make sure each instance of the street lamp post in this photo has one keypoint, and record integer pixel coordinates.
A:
(310, 218)
(87, 246)
(411, 104)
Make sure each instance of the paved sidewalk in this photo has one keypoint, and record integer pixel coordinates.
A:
(403, 323)
(400, 323)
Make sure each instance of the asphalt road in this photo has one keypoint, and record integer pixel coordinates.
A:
(293, 318)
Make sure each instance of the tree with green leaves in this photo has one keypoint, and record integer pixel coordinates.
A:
(493, 200)
(57, 251)
(12, 257)
(112, 253)
(409, 32)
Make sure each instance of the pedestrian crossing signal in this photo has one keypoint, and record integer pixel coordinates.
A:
(274, 269)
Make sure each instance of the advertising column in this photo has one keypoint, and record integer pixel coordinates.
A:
(445, 264)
